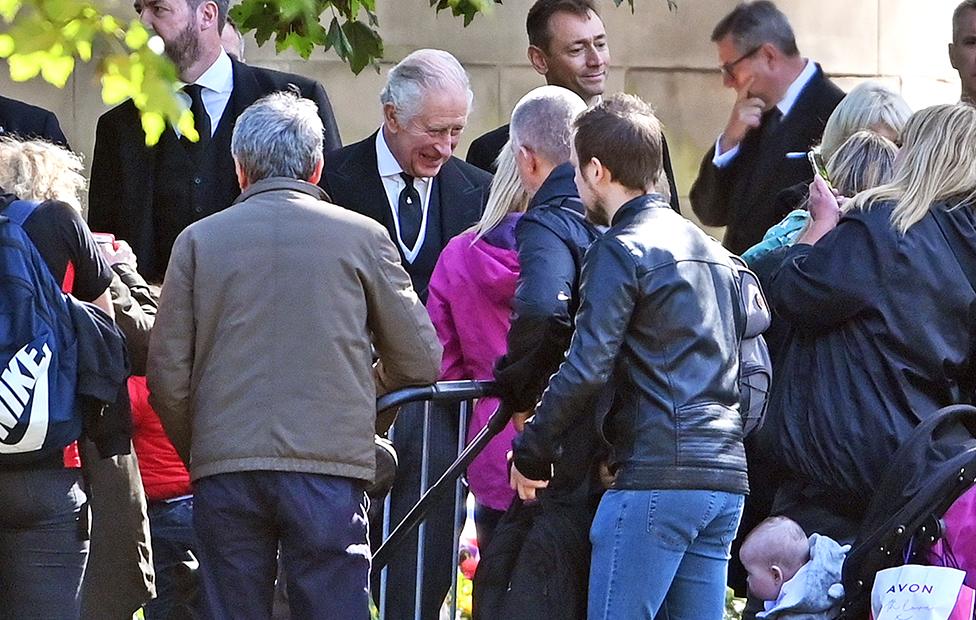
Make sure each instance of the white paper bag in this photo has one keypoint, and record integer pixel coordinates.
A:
(915, 592)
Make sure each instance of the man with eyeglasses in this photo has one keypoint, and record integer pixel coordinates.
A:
(782, 103)
(405, 177)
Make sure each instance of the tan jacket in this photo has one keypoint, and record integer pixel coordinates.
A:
(260, 357)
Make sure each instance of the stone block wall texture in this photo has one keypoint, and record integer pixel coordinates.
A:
(663, 56)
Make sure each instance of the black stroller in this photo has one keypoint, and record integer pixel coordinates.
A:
(929, 472)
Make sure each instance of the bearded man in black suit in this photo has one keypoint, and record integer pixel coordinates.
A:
(148, 195)
(29, 121)
(405, 177)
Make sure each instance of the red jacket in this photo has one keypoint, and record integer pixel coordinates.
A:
(163, 474)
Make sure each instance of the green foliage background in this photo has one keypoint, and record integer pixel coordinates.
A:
(47, 38)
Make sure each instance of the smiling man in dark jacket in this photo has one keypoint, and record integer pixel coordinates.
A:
(659, 322)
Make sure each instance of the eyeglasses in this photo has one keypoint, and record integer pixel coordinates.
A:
(727, 68)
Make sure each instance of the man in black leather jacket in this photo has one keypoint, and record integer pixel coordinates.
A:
(545, 544)
(659, 321)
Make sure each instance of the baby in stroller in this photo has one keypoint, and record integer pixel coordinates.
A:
(796, 576)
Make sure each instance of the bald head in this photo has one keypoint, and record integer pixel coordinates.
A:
(542, 122)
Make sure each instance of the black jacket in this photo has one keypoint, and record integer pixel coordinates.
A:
(485, 150)
(660, 321)
(28, 121)
(551, 238)
(123, 174)
(742, 195)
(883, 333)
(103, 372)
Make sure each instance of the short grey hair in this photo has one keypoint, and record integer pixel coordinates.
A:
(419, 73)
(542, 122)
(751, 24)
(280, 135)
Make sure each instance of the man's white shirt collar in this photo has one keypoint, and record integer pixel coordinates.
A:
(793, 92)
(218, 83)
(389, 170)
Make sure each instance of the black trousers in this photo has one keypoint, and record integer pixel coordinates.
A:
(43, 543)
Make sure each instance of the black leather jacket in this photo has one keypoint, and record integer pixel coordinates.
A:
(659, 319)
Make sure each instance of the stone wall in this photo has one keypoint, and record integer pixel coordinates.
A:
(663, 56)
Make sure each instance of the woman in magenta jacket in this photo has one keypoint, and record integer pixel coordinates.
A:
(469, 302)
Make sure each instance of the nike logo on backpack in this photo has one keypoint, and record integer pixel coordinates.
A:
(25, 377)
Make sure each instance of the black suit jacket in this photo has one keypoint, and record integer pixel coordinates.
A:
(485, 150)
(29, 121)
(742, 195)
(352, 180)
(120, 200)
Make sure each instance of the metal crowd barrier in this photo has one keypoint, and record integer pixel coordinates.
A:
(443, 392)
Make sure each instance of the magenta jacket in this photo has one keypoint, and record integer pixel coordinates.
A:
(469, 303)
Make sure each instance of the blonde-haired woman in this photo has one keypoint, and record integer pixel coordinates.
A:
(869, 106)
(469, 302)
(38, 170)
(864, 161)
(881, 301)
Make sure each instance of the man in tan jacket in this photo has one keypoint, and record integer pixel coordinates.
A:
(260, 367)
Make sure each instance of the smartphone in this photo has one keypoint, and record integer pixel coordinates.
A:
(106, 239)
(817, 163)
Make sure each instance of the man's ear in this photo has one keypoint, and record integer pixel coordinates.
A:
(770, 54)
(527, 156)
(538, 59)
(241, 177)
(952, 57)
(207, 15)
(390, 119)
(601, 174)
(317, 172)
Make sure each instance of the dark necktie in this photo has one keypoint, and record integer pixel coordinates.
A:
(201, 120)
(770, 123)
(410, 212)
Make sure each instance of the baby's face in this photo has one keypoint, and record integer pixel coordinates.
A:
(763, 582)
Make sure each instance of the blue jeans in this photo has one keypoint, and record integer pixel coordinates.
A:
(174, 548)
(655, 550)
(43, 543)
(319, 522)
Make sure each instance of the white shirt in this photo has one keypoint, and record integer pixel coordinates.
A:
(785, 105)
(393, 183)
(218, 83)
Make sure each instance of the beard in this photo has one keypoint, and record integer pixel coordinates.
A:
(184, 50)
(596, 213)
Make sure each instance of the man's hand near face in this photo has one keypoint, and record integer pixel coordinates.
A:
(746, 115)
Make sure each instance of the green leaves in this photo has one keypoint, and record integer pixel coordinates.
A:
(467, 8)
(47, 38)
(297, 25)
(672, 4)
